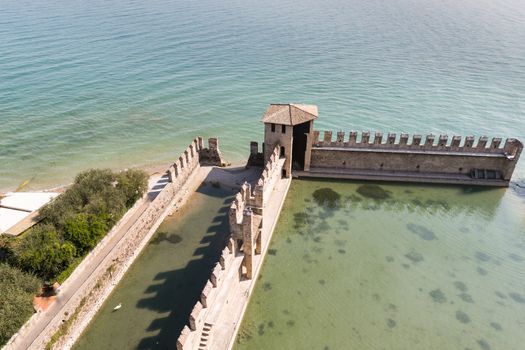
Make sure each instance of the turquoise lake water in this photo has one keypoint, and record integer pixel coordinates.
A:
(121, 83)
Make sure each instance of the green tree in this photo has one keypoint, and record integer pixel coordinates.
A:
(93, 182)
(62, 207)
(6, 248)
(94, 191)
(42, 252)
(133, 183)
(77, 232)
(111, 204)
(16, 294)
(98, 226)
(72, 224)
(84, 230)
(75, 221)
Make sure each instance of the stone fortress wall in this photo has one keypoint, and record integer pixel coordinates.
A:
(364, 156)
(245, 218)
(406, 158)
(168, 191)
(432, 159)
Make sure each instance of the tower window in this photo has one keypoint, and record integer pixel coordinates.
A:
(273, 127)
(283, 129)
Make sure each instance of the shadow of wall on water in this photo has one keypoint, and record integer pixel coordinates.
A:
(175, 292)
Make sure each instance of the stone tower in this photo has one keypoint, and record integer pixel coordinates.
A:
(289, 125)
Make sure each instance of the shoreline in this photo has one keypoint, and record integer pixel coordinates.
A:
(151, 169)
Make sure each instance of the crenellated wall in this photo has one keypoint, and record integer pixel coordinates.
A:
(197, 325)
(415, 142)
(193, 156)
(183, 167)
(245, 218)
(257, 198)
(412, 158)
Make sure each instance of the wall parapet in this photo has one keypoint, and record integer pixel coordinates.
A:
(250, 200)
(211, 155)
(511, 148)
(432, 159)
(182, 168)
(254, 198)
(256, 158)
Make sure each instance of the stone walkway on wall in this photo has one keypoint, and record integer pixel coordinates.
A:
(225, 314)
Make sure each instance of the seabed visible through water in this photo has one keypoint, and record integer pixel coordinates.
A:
(388, 266)
(160, 288)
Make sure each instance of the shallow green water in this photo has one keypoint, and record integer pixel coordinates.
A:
(361, 266)
(161, 287)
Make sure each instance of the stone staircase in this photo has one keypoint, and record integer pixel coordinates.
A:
(206, 332)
